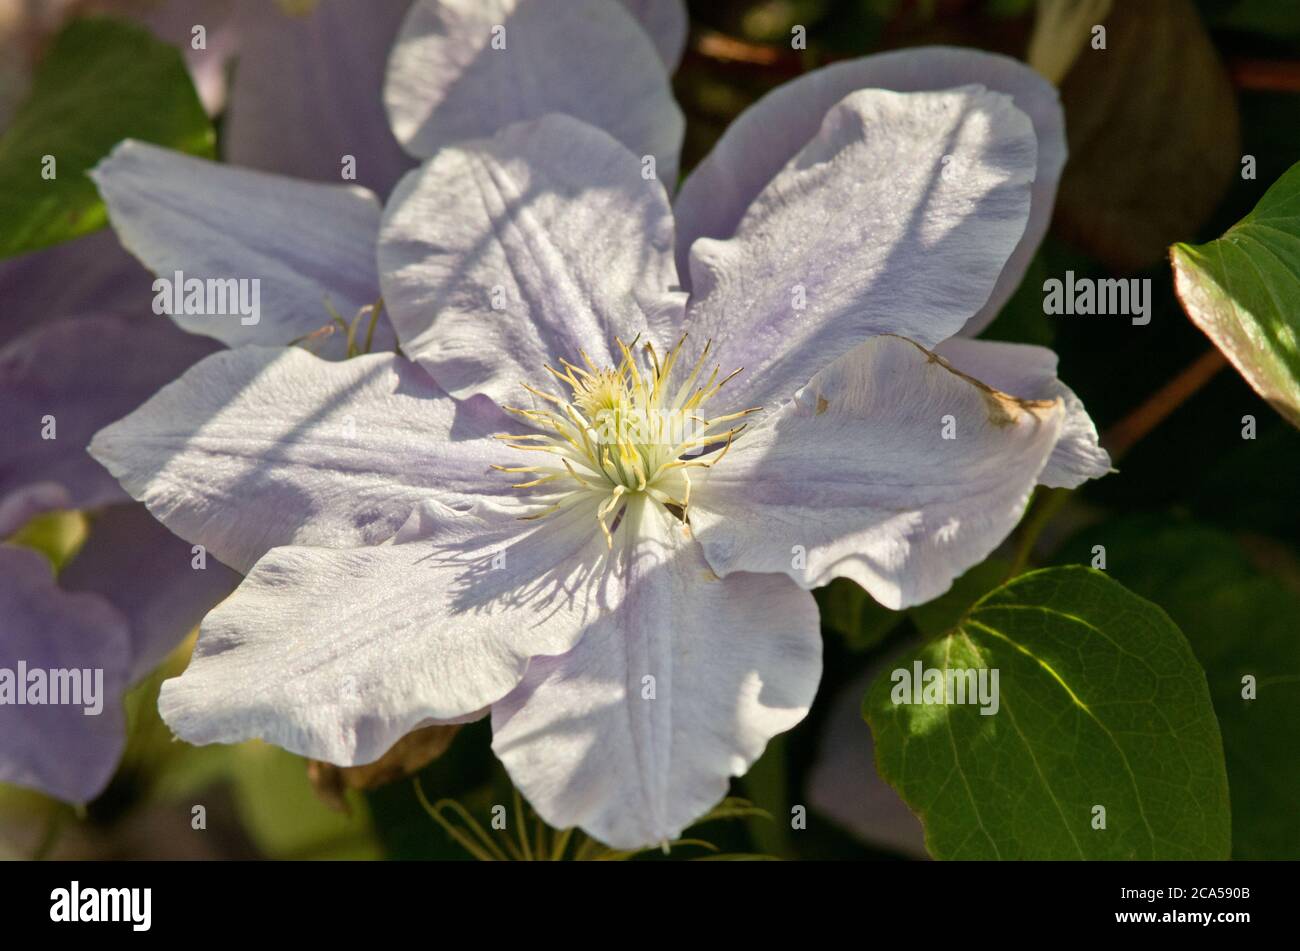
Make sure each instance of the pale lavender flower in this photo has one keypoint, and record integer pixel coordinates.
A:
(79, 344)
(633, 608)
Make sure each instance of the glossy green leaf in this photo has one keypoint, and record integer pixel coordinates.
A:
(102, 81)
(1243, 290)
(1100, 703)
(1241, 622)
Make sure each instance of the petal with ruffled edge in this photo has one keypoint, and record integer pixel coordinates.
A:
(448, 82)
(1029, 372)
(306, 244)
(152, 577)
(896, 218)
(260, 447)
(768, 134)
(635, 733)
(337, 654)
(308, 91)
(504, 255)
(64, 381)
(855, 478)
(58, 748)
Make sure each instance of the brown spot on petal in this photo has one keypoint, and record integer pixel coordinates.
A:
(823, 404)
(1003, 408)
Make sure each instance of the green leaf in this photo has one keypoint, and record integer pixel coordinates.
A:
(285, 818)
(1266, 17)
(102, 81)
(943, 613)
(1240, 622)
(1243, 290)
(1100, 703)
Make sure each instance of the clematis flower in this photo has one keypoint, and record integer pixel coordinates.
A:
(595, 497)
(78, 343)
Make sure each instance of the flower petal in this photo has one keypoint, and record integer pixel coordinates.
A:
(336, 654)
(667, 23)
(260, 447)
(308, 91)
(856, 479)
(896, 218)
(91, 274)
(58, 748)
(766, 136)
(584, 58)
(149, 575)
(504, 255)
(174, 23)
(68, 378)
(17, 508)
(1029, 372)
(635, 733)
(306, 243)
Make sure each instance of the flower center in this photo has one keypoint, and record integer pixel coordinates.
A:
(623, 431)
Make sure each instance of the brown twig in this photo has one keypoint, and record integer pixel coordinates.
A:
(1247, 73)
(1265, 75)
(1121, 437)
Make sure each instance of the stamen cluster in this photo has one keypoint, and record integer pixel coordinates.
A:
(624, 431)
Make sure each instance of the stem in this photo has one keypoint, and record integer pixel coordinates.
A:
(1248, 73)
(1125, 434)
(1048, 502)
